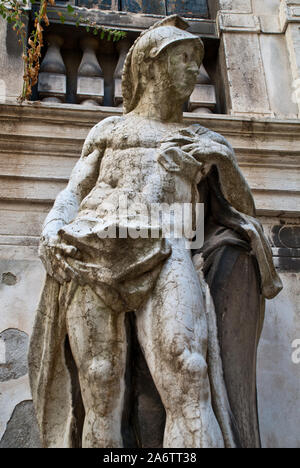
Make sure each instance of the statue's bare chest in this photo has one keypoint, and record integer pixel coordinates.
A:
(131, 153)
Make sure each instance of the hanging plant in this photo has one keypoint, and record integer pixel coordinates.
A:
(13, 12)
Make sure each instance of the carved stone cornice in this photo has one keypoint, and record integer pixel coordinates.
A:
(127, 21)
(40, 143)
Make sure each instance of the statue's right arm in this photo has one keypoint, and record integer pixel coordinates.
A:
(82, 180)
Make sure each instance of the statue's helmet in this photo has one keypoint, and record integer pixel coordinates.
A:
(148, 46)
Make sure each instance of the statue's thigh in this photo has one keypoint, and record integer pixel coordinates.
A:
(172, 328)
(97, 335)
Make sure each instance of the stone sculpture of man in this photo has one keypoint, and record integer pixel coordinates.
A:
(93, 281)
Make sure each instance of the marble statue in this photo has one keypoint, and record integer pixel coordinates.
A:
(79, 347)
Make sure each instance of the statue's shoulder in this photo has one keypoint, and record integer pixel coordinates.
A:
(198, 131)
(102, 130)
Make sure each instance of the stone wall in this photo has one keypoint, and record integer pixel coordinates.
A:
(259, 63)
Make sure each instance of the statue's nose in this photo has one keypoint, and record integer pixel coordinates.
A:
(193, 69)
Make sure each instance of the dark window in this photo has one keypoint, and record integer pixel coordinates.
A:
(188, 8)
(156, 7)
(194, 8)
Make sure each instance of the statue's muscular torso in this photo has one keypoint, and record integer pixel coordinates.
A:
(130, 147)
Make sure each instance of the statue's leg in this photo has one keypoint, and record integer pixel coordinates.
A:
(98, 342)
(234, 283)
(172, 331)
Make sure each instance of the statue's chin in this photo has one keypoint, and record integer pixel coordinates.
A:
(185, 92)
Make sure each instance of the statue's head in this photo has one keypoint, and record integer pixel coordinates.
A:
(166, 54)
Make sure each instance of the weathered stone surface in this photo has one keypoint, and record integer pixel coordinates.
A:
(246, 86)
(9, 279)
(16, 347)
(174, 319)
(18, 301)
(12, 392)
(11, 63)
(278, 376)
(243, 6)
(22, 430)
(278, 75)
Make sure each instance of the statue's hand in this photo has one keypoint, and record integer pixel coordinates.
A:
(204, 145)
(53, 254)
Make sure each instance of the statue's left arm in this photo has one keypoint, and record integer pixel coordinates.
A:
(213, 149)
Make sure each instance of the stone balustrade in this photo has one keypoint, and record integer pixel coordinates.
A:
(85, 71)
(88, 71)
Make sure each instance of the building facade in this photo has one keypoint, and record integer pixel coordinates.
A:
(248, 90)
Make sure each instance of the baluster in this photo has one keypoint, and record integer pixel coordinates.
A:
(52, 84)
(203, 98)
(123, 48)
(90, 81)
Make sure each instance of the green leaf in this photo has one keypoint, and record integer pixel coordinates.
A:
(70, 9)
(95, 31)
(102, 35)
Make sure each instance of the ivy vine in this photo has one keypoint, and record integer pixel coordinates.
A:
(13, 12)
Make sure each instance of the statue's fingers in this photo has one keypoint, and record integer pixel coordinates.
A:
(68, 250)
(67, 271)
(61, 268)
(179, 139)
(191, 147)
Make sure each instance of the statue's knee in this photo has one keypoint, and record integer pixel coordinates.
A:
(101, 371)
(193, 365)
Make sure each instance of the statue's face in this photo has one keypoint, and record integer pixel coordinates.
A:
(184, 60)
